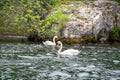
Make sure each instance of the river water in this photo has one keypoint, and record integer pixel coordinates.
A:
(20, 61)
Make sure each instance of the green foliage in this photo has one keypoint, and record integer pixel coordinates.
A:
(57, 18)
(92, 5)
(78, 1)
(71, 0)
(27, 16)
(107, 7)
(115, 34)
(49, 4)
(62, 26)
(116, 1)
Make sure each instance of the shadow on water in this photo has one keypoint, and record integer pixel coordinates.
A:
(20, 61)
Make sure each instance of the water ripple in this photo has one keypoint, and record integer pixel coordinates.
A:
(34, 62)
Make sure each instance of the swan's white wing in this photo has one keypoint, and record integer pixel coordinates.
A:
(70, 52)
(48, 43)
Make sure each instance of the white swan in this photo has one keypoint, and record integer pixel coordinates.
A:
(50, 43)
(68, 52)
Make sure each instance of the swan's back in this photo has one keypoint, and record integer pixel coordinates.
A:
(69, 52)
(48, 43)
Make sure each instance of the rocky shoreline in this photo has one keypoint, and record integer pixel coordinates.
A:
(24, 39)
(12, 38)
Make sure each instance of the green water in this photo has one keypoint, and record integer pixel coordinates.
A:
(35, 62)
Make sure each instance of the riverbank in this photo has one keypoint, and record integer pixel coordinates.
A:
(13, 38)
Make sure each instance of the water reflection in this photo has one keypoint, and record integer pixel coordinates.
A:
(35, 62)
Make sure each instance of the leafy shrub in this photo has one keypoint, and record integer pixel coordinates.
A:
(27, 16)
(49, 4)
(115, 34)
(57, 18)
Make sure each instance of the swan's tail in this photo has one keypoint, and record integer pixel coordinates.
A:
(77, 52)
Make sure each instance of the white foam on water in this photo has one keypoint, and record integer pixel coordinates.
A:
(32, 67)
(29, 57)
(94, 53)
(95, 75)
(87, 68)
(83, 47)
(83, 74)
(64, 67)
(35, 57)
(105, 59)
(117, 71)
(58, 73)
(118, 50)
(81, 68)
(42, 74)
(91, 47)
(91, 66)
(17, 48)
(99, 51)
(84, 52)
(38, 55)
(49, 54)
(114, 78)
(25, 64)
(44, 57)
(94, 59)
(75, 65)
(110, 51)
(116, 61)
(11, 51)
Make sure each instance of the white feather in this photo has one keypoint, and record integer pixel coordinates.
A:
(68, 52)
(50, 43)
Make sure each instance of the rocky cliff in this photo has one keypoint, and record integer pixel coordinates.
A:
(91, 18)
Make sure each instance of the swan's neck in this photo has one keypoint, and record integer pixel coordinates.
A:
(60, 48)
(54, 40)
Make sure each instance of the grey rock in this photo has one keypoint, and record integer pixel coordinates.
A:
(87, 20)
